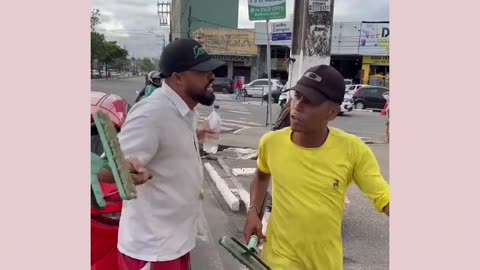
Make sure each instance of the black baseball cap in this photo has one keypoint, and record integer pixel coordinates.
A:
(321, 82)
(186, 54)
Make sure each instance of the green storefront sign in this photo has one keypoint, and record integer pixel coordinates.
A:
(261, 10)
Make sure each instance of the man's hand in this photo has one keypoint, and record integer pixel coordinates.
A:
(253, 225)
(140, 175)
(386, 210)
(202, 131)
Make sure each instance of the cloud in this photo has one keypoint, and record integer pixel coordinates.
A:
(131, 22)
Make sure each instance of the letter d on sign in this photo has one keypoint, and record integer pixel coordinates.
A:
(385, 32)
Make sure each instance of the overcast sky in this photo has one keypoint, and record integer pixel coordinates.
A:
(135, 23)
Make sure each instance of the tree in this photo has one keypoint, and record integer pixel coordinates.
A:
(111, 52)
(94, 19)
(104, 52)
(121, 64)
(156, 62)
(147, 65)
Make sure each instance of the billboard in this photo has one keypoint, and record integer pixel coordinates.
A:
(224, 41)
(374, 38)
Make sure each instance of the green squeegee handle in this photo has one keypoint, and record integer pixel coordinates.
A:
(252, 243)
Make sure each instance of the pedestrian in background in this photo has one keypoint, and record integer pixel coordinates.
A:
(386, 113)
(238, 89)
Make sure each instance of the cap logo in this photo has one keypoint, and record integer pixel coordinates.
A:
(197, 51)
(312, 76)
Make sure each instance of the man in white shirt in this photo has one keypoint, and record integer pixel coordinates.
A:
(158, 229)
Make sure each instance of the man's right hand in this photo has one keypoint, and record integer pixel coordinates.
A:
(253, 225)
(139, 173)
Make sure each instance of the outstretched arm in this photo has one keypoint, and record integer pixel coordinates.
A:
(370, 181)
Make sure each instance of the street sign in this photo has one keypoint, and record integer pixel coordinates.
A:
(281, 36)
(259, 10)
(281, 31)
(318, 5)
(266, 9)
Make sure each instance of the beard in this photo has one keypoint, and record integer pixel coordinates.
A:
(206, 99)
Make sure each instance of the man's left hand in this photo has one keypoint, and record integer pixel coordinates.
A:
(202, 131)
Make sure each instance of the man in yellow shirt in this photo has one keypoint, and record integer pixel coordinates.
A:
(311, 166)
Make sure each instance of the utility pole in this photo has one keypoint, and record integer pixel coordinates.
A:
(311, 41)
(164, 13)
(189, 21)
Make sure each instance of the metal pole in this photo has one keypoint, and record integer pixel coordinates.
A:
(269, 74)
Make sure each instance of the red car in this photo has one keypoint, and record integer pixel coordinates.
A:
(104, 223)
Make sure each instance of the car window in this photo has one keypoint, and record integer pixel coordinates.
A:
(261, 83)
(368, 92)
(376, 92)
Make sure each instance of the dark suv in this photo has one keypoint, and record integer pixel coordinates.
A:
(223, 85)
(369, 97)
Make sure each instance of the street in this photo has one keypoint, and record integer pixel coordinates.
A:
(237, 115)
(365, 232)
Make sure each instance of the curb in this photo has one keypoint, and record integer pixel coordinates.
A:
(242, 193)
(358, 110)
(232, 201)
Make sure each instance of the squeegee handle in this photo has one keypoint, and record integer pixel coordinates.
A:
(252, 243)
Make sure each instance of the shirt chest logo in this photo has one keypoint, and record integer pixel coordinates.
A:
(336, 184)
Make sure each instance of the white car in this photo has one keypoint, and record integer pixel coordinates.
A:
(351, 89)
(258, 88)
(348, 83)
(347, 104)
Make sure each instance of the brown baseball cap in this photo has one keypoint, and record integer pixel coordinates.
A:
(321, 82)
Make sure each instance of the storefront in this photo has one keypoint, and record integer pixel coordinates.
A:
(234, 46)
(375, 65)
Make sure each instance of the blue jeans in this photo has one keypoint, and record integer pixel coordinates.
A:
(238, 93)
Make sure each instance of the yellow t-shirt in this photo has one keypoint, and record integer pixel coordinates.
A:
(308, 189)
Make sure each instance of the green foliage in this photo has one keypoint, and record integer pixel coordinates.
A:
(104, 52)
(147, 65)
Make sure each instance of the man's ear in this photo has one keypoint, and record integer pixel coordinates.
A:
(334, 110)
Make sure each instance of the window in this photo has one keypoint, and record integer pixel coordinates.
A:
(263, 82)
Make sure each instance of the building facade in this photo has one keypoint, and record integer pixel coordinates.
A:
(359, 50)
(190, 15)
(234, 46)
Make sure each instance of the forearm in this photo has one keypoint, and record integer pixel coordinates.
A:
(258, 189)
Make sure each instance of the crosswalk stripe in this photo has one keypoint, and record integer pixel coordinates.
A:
(240, 112)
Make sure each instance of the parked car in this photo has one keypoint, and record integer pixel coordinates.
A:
(258, 88)
(223, 85)
(369, 97)
(275, 95)
(347, 104)
(351, 89)
(104, 223)
(283, 98)
(348, 82)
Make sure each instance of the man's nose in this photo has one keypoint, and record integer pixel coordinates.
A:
(211, 75)
(298, 105)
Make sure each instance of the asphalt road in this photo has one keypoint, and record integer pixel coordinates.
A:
(236, 115)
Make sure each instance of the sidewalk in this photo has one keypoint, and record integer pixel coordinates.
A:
(243, 138)
(250, 137)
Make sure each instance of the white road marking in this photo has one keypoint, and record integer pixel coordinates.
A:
(240, 112)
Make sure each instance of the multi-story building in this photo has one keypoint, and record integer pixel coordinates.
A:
(190, 15)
